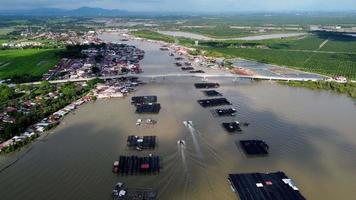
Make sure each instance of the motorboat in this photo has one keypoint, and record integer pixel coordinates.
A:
(181, 142)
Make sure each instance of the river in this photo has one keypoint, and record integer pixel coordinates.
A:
(196, 36)
(311, 135)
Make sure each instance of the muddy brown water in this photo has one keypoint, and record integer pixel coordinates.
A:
(311, 135)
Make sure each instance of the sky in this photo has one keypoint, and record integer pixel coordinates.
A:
(188, 5)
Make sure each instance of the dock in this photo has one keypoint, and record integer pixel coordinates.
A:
(187, 68)
(254, 147)
(206, 85)
(133, 165)
(150, 108)
(197, 72)
(141, 143)
(223, 112)
(211, 93)
(264, 186)
(120, 192)
(213, 102)
(232, 127)
(187, 64)
(143, 99)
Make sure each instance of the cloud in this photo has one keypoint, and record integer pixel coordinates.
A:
(187, 5)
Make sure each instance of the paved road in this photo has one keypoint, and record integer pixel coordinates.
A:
(153, 76)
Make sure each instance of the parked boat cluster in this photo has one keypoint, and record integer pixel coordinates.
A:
(116, 88)
(181, 52)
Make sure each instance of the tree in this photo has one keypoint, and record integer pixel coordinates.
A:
(6, 93)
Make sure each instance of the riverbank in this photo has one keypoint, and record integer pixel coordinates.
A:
(74, 161)
(87, 92)
(196, 36)
(342, 88)
(312, 53)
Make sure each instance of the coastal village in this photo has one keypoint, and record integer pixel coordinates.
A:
(33, 109)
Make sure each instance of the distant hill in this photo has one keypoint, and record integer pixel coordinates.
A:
(83, 11)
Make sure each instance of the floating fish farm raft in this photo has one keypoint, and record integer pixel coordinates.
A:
(150, 108)
(132, 165)
(143, 99)
(197, 72)
(213, 102)
(264, 186)
(223, 112)
(212, 93)
(187, 68)
(232, 127)
(145, 142)
(254, 147)
(122, 193)
(206, 85)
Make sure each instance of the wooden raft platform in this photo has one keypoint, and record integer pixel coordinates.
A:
(264, 186)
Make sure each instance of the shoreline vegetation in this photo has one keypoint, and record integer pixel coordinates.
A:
(341, 88)
(329, 54)
(274, 52)
(67, 95)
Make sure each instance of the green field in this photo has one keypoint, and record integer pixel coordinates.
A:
(152, 35)
(348, 88)
(225, 32)
(31, 62)
(336, 57)
(4, 31)
(323, 63)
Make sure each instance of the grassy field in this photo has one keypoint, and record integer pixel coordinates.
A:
(348, 88)
(223, 31)
(152, 35)
(4, 31)
(336, 57)
(3, 41)
(320, 53)
(323, 63)
(33, 62)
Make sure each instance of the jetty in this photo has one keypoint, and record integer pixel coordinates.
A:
(187, 68)
(133, 165)
(254, 147)
(143, 99)
(140, 143)
(197, 72)
(264, 186)
(211, 93)
(120, 192)
(213, 102)
(232, 127)
(150, 108)
(206, 85)
(222, 112)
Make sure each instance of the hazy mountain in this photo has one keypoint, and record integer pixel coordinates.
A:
(83, 11)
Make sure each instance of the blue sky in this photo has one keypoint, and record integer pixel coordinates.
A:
(189, 5)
